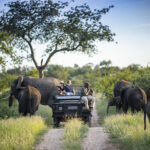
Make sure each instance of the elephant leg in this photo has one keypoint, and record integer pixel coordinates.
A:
(132, 110)
(125, 108)
(25, 114)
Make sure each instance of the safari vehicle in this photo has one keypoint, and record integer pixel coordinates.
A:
(69, 106)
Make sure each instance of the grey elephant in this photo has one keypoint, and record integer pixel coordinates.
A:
(136, 99)
(116, 101)
(46, 86)
(28, 97)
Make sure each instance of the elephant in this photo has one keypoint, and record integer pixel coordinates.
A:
(29, 99)
(116, 101)
(48, 87)
(120, 85)
(136, 99)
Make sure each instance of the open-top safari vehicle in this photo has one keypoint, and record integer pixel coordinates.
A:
(69, 106)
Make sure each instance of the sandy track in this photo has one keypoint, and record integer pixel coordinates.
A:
(96, 138)
(52, 140)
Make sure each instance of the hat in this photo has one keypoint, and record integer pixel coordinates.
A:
(61, 82)
(86, 84)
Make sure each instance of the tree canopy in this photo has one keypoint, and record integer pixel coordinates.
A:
(57, 25)
(5, 47)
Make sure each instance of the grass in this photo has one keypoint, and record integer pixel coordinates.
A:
(20, 133)
(126, 129)
(74, 132)
(46, 113)
(129, 129)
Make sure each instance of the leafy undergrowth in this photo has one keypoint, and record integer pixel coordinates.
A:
(129, 130)
(74, 132)
(20, 133)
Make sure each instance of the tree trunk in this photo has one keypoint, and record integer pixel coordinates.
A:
(41, 72)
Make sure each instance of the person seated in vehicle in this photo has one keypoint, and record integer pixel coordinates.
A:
(68, 88)
(87, 96)
(61, 89)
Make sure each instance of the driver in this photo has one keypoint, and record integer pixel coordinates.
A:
(87, 96)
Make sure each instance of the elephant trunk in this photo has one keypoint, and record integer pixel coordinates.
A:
(11, 97)
(107, 108)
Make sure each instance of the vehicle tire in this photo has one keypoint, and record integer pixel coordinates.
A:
(87, 120)
(56, 122)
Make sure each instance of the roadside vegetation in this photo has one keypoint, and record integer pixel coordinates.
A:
(74, 132)
(129, 130)
(126, 129)
(20, 133)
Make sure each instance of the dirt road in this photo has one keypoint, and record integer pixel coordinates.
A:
(52, 140)
(96, 138)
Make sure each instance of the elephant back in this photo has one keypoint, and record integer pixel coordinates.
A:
(120, 85)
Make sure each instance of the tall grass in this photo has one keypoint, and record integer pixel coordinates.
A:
(46, 113)
(74, 131)
(20, 133)
(129, 129)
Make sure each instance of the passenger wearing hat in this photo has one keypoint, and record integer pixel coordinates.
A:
(61, 88)
(87, 96)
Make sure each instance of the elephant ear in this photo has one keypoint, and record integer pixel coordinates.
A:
(20, 80)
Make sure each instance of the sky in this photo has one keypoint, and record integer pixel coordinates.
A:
(130, 21)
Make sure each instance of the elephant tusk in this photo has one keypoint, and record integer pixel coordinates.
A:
(4, 98)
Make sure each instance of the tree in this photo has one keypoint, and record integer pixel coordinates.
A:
(105, 63)
(6, 50)
(55, 24)
(5, 47)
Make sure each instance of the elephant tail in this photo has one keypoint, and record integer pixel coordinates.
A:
(144, 119)
(107, 108)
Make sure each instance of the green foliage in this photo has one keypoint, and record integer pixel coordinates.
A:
(58, 71)
(106, 84)
(32, 72)
(6, 80)
(143, 80)
(74, 132)
(5, 111)
(5, 48)
(20, 133)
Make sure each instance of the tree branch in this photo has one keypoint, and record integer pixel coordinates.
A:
(59, 50)
(32, 51)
